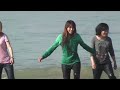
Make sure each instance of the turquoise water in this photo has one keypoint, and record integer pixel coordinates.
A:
(32, 32)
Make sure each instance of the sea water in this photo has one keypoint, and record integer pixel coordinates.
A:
(33, 32)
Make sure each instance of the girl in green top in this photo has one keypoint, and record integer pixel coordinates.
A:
(69, 41)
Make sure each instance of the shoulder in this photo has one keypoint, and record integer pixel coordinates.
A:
(94, 38)
(5, 35)
(59, 37)
(1, 34)
(77, 35)
(109, 39)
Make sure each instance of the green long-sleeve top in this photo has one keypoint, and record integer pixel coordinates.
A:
(68, 56)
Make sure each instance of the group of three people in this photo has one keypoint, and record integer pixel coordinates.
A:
(69, 40)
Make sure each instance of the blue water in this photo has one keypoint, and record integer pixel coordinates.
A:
(32, 32)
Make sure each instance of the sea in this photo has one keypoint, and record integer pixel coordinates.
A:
(31, 33)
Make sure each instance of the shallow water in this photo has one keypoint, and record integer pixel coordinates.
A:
(55, 73)
(32, 32)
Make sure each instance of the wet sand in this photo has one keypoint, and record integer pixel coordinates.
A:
(54, 73)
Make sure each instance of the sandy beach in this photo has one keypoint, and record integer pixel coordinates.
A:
(54, 73)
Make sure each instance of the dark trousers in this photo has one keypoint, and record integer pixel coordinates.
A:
(8, 69)
(66, 69)
(107, 68)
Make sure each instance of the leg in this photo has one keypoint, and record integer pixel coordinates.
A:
(66, 69)
(1, 68)
(97, 72)
(76, 70)
(109, 71)
(9, 70)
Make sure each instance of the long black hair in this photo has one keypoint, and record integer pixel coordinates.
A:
(66, 35)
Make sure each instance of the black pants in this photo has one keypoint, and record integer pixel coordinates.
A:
(9, 70)
(66, 69)
(107, 68)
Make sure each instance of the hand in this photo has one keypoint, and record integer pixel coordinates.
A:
(93, 62)
(93, 66)
(115, 66)
(11, 61)
(39, 59)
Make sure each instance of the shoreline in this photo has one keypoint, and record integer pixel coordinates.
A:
(54, 73)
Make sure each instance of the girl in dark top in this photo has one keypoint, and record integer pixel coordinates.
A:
(103, 46)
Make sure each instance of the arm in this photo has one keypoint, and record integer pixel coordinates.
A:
(93, 64)
(85, 46)
(112, 54)
(91, 50)
(49, 51)
(9, 47)
(114, 60)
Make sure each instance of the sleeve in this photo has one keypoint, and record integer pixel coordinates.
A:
(85, 46)
(6, 38)
(92, 45)
(111, 50)
(53, 47)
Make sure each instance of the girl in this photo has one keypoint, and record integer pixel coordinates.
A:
(103, 46)
(69, 41)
